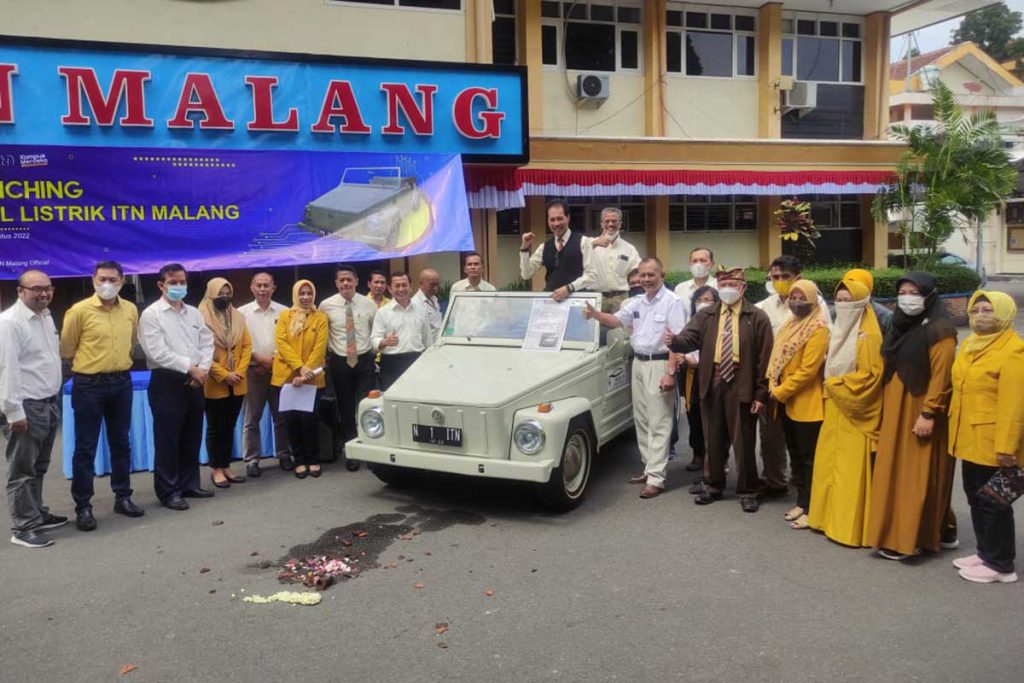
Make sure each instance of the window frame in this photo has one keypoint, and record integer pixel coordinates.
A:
(394, 5)
(817, 18)
(560, 22)
(733, 201)
(733, 32)
(515, 32)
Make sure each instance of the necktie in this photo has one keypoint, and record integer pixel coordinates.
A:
(350, 336)
(559, 243)
(726, 368)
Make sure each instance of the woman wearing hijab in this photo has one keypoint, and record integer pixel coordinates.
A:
(794, 380)
(913, 475)
(986, 417)
(301, 335)
(853, 407)
(688, 387)
(225, 385)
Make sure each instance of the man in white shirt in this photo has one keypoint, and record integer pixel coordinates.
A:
(350, 355)
(702, 264)
(400, 332)
(30, 379)
(611, 261)
(179, 351)
(565, 255)
(647, 318)
(425, 299)
(261, 319)
(473, 267)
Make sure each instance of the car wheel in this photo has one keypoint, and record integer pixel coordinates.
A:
(568, 482)
(391, 475)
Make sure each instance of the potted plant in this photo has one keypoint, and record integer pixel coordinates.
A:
(793, 219)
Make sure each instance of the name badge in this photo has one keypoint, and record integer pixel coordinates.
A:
(636, 315)
(623, 257)
(659, 317)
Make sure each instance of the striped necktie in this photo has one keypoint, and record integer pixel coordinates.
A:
(726, 368)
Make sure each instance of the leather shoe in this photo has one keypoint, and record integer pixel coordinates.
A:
(351, 465)
(286, 463)
(651, 491)
(253, 470)
(226, 484)
(84, 520)
(707, 497)
(695, 465)
(128, 508)
(234, 479)
(198, 493)
(176, 503)
(749, 504)
(638, 479)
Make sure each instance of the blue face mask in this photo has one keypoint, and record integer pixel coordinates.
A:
(176, 292)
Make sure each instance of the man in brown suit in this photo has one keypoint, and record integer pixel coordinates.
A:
(735, 341)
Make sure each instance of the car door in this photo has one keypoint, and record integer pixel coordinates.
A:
(617, 406)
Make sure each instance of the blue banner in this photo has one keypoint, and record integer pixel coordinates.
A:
(62, 209)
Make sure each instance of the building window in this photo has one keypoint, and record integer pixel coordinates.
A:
(710, 42)
(825, 51)
(503, 32)
(835, 212)
(585, 212)
(455, 5)
(598, 36)
(1015, 226)
(510, 221)
(709, 213)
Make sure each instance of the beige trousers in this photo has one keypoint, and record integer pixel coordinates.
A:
(652, 413)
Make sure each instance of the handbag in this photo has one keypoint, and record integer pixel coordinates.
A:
(1004, 487)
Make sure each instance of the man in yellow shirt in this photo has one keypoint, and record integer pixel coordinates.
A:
(97, 337)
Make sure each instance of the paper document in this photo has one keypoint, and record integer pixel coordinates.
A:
(300, 398)
(546, 329)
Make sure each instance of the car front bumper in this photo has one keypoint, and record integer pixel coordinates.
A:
(535, 471)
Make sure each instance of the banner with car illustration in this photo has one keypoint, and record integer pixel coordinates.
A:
(65, 208)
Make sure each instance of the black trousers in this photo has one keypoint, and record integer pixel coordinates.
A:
(221, 418)
(303, 430)
(801, 442)
(696, 423)
(393, 365)
(993, 523)
(98, 399)
(177, 433)
(729, 422)
(351, 385)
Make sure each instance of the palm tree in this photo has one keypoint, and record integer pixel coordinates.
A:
(952, 175)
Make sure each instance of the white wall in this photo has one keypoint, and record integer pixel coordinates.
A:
(711, 107)
(731, 249)
(622, 114)
(310, 26)
(446, 263)
(955, 75)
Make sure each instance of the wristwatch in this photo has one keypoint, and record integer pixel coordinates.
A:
(928, 416)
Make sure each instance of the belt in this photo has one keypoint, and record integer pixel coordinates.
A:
(654, 356)
(48, 400)
(342, 356)
(108, 376)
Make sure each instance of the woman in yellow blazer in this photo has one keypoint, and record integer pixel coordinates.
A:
(986, 418)
(301, 335)
(225, 385)
(795, 382)
(841, 487)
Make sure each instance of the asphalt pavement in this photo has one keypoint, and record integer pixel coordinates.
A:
(619, 589)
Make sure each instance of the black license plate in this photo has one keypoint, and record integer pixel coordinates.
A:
(438, 436)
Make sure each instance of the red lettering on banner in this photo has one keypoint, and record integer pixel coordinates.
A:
(462, 114)
(7, 72)
(339, 100)
(199, 95)
(263, 106)
(125, 83)
(420, 118)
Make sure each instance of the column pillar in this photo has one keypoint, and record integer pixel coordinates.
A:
(656, 227)
(535, 221)
(654, 68)
(876, 76)
(875, 236)
(531, 56)
(769, 70)
(479, 47)
(769, 237)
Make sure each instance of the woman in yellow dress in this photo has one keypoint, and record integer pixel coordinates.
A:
(853, 408)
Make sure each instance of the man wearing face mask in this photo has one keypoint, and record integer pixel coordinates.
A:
(702, 262)
(97, 337)
(736, 341)
(179, 352)
(610, 263)
(634, 283)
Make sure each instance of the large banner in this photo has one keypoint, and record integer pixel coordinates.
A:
(146, 155)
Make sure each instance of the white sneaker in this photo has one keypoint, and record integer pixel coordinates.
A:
(980, 573)
(899, 557)
(965, 562)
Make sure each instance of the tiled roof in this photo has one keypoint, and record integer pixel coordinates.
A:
(898, 70)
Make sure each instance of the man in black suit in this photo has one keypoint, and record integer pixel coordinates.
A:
(565, 255)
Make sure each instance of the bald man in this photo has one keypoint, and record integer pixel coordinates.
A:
(426, 300)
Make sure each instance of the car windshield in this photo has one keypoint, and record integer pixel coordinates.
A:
(503, 317)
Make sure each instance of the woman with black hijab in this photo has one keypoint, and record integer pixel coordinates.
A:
(913, 474)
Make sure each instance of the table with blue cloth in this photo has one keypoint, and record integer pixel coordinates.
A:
(141, 433)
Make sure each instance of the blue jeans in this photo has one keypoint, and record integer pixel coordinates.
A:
(96, 399)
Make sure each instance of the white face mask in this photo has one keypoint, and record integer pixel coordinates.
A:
(911, 304)
(730, 295)
(769, 287)
(701, 306)
(700, 270)
(107, 291)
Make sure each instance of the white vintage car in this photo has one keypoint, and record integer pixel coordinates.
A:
(477, 403)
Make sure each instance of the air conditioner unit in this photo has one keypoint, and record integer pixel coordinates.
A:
(592, 88)
(801, 99)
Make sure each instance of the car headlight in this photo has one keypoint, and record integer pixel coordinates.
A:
(372, 423)
(529, 437)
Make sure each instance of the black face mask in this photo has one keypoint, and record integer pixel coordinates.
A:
(801, 309)
(221, 303)
(636, 289)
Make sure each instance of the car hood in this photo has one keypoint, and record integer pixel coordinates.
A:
(480, 375)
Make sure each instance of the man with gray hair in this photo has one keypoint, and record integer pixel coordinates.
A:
(611, 262)
(30, 379)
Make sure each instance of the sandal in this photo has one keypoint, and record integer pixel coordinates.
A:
(794, 513)
(799, 523)
(301, 471)
(314, 472)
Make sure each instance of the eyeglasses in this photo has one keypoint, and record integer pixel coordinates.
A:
(39, 289)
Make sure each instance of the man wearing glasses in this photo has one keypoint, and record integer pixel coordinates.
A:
(30, 379)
